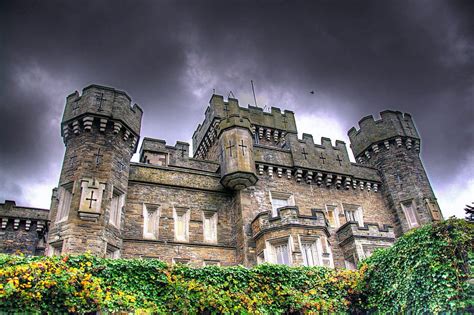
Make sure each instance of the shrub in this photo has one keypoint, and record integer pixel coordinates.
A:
(427, 270)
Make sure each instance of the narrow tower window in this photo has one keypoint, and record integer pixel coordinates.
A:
(116, 205)
(210, 226)
(181, 224)
(151, 220)
(65, 197)
(409, 211)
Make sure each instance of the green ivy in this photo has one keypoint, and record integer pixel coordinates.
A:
(425, 271)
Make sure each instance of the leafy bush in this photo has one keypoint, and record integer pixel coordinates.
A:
(86, 283)
(426, 271)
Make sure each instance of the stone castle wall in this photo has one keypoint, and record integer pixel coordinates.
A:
(244, 161)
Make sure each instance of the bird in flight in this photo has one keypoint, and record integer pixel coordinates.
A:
(312, 92)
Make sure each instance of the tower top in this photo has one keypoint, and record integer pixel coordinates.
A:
(391, 125)
(106, 102)
(220, 109)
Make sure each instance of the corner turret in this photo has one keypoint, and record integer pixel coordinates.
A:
(101, 130)
(392, 145)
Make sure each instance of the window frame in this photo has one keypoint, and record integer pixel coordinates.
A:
(358, 213)
(62, 213)
(115, 213)
(289, 197)
(335, 211)
(185, 213)
(270, 250)
(156, 218)
(314, 243)
(212, 216)
(405, 212)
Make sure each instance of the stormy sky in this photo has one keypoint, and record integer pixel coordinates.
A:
(360, 57)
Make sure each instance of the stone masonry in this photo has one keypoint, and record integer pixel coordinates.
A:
(249, 192)
(23, 230)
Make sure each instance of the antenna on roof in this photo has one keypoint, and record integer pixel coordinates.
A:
(231, 94)
(253, 90)
(213, 91)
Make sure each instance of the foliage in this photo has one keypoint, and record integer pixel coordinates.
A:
(86, 283)
(426, 271)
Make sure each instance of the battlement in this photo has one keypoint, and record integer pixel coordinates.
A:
(352, 230)
(287, 217)
(154, 150)
(106, 102)
(220, 109)
(391, 125)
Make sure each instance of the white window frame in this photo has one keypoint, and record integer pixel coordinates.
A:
(289, 197)
(314, 246)
(271, 249)
(116, 206)
(411, 220)
(64, 205)
(210, 234)
(335, 211)
(153, 219)
(358, 213)
(185, 214)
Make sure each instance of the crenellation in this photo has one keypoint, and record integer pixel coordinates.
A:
(249, 186)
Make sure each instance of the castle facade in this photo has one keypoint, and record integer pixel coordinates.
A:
(252, 192)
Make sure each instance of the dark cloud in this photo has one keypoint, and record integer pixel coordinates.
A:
(360, 57)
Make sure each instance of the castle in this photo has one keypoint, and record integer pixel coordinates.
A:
(252, 192)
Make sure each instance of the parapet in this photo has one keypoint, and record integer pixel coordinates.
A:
(156, 149)
(106, 102)
(391, 125)
(220, 109)
(15, 215)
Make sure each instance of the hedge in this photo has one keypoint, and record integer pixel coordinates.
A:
(425, 271)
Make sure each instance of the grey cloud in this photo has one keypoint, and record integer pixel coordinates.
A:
(365, 56)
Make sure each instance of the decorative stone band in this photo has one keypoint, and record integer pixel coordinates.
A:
(385, 145)
(16, 222)
(276, 134)
(85, 124)
(287, 217)
(352, 230)
(210, 137)
(320, 178)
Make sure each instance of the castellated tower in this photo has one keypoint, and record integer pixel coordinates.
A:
(392, 146)
(100, 130)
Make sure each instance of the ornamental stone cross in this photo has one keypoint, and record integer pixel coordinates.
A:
(242, 146)
(100, 99)
(322, 158)
(91, 199)
(230, 147)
